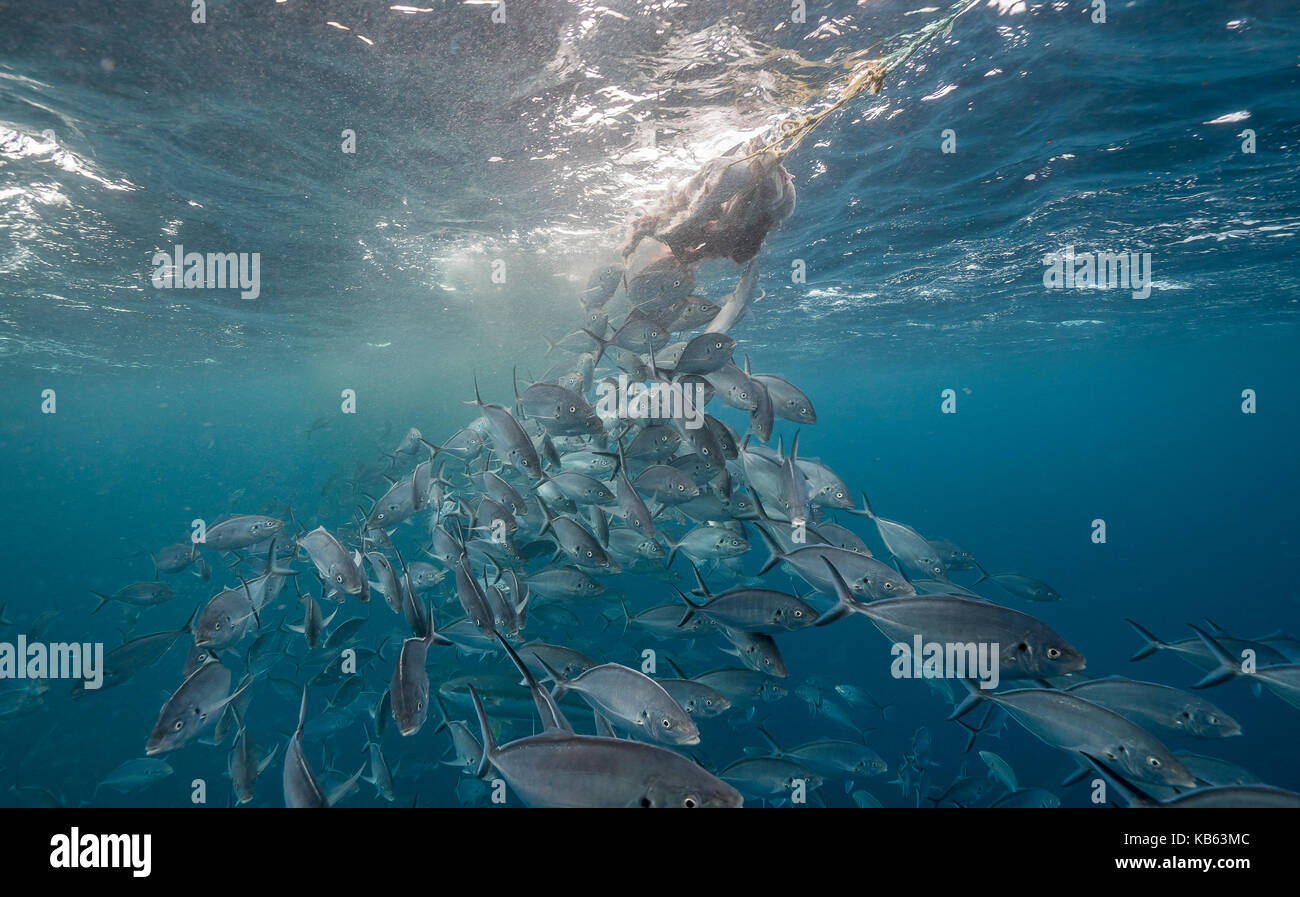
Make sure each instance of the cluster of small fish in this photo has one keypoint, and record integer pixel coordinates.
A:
(526, 516)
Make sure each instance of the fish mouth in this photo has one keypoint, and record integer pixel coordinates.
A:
(152, 749)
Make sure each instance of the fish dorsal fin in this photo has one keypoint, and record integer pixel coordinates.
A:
(552, 717)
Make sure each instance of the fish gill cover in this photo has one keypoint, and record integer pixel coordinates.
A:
(649, 404)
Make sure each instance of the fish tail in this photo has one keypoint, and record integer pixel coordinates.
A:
(974, 697)
(975, 730)
(672, 552)
(561, 683)
(845, 603)
(601, 343)
(1152, 645)
(1228, 667)
(691, 607)
(774, 552)
(866, 510)
(627, 616)
(103, 599)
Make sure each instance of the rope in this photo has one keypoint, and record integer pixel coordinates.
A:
(870, 78)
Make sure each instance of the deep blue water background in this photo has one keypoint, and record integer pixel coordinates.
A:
(925, 274)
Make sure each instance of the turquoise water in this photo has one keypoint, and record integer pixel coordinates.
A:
(924, 274)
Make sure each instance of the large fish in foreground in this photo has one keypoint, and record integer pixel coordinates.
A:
(561, 769)
(1070, 723)
(1027, 647)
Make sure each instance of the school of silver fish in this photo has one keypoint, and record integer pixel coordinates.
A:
(461, 589)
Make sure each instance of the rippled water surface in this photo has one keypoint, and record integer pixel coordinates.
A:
(127, 131)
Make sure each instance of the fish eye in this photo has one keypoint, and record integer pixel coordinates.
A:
(217, 627)
(338, 577)
(419, 705)
(1022, 647)
(1053, 653)
(743, 394)
(668, 724)
(681, 488)
(889, 587)
(717, 345)
(798, 614)
(708, 702)
(180, 724)
(1154, 761)
(1214, 720)
(573, 409)
(689, 802)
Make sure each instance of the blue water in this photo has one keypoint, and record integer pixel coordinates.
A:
(924, 274)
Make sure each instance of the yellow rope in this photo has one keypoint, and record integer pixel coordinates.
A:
(871, 79)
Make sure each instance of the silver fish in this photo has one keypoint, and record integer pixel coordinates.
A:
(631, 700)
(1070, 723)
(561, 769)
(191, 707)
(138, 594)
(1152, 705)
(409, 689)
(1027, 647)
